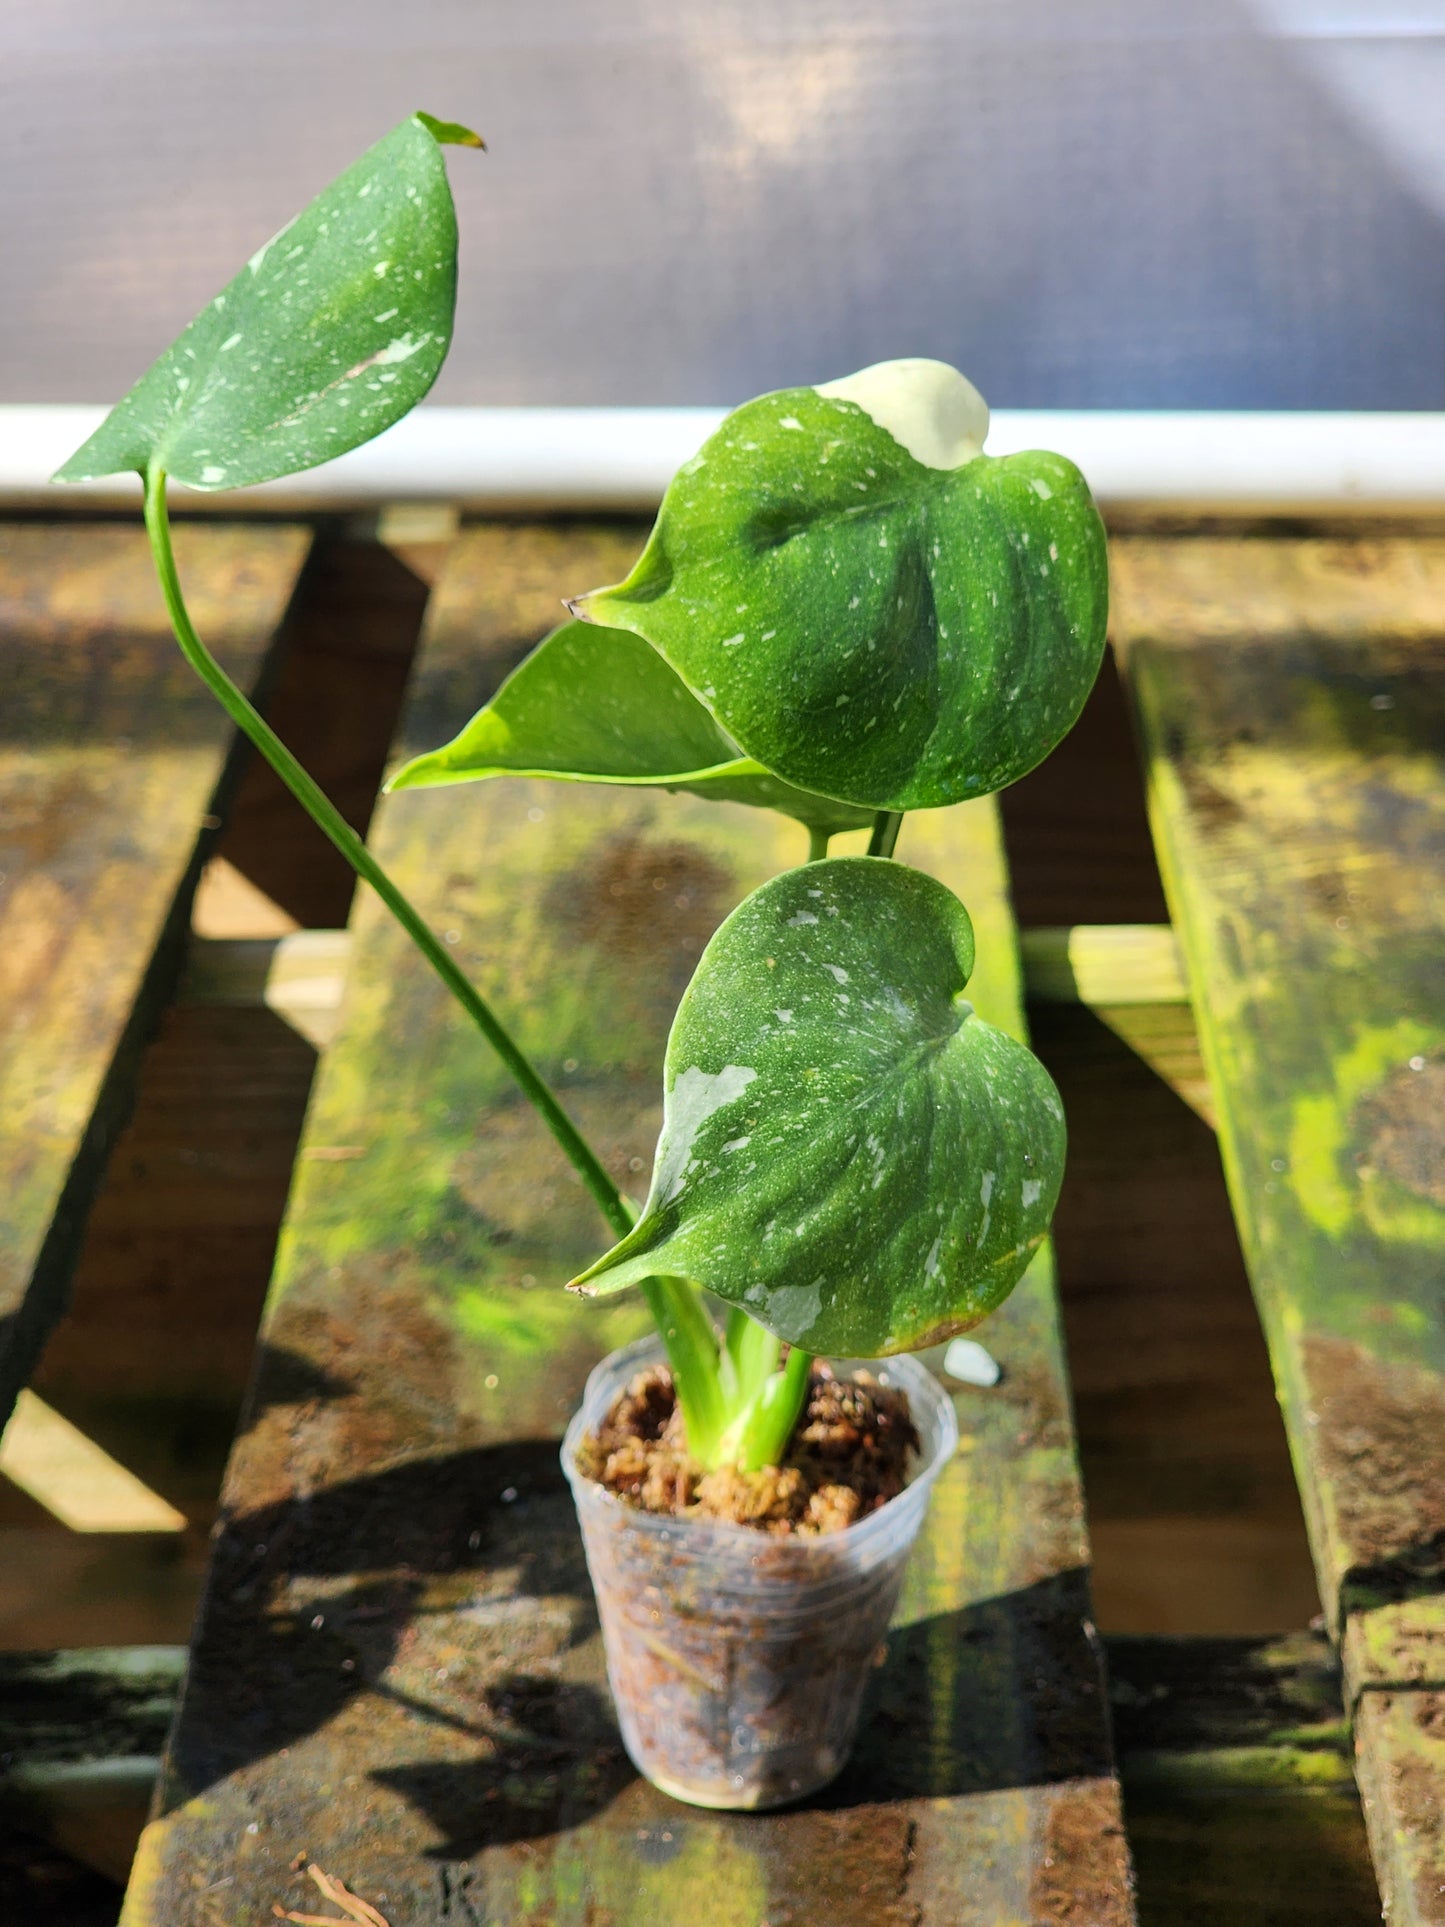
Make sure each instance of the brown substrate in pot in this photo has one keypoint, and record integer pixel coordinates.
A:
(849, 1454)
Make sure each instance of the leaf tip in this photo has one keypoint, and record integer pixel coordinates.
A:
(450, 133)
(610, 1273)
(404, 778)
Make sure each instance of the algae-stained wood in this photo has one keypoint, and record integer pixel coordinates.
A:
(110, 755)
(1234, 1754)
(397, 1668)
(1292, 702)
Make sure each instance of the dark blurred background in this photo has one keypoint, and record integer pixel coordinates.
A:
(1105, 203)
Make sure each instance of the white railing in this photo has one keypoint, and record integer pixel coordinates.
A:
(622, 458)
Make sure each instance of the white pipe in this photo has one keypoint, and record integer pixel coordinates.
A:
(622, 458)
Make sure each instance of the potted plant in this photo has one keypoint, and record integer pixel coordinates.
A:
(845, 611)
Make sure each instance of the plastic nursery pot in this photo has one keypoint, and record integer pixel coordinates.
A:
(738, 1660)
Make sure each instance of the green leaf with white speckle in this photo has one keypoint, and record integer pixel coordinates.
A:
(592, 705)
(868, 625)
(848, 1152)
(331, 333)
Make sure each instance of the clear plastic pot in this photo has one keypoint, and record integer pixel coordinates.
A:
(738, 1660)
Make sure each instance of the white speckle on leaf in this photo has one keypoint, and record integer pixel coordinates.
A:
(380, 269)
(783, 1016)
(388, 315)
(737, 1143)
(1032, 1191)
(803, 916)
(1041, 489)
(229, 343)
(930, 1263)
(985, 1193)
(731, 642)
(790, 421)
(837, 971)
(211, 473)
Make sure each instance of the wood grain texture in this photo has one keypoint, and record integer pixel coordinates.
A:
(110, 758)
(1292, 700)
(1234, 1756)
(397, 1667)
(1238, 1791)
(80, 1739)
(1130, 976)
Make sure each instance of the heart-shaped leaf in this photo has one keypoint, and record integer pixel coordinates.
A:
(593, 705)
(847, 1151)
(901, 623)
(331, 333)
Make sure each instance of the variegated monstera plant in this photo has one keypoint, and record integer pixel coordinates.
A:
(846, 610)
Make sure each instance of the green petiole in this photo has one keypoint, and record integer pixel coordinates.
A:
(324, 813)
(886, 826)
(706, 1389)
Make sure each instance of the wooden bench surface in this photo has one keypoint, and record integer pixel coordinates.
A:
(397, 1668)
(1291, 697)
(1234, 1754)
(110, 758)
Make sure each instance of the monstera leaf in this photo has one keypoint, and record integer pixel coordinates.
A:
(594, 705)
(331, 333)
(869, 606)
(848, 1152)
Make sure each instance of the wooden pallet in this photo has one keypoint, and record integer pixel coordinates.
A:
(397, 1668)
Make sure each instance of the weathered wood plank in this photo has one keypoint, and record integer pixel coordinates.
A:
(75, 1479)
(1240, 1802)
(1128, 973)
(1292, 702)
(1130, 976)
(1234, 1756)
(1102, 963)
(397, 1668)
(300, 976)
(110, 757)
(80, 1739)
